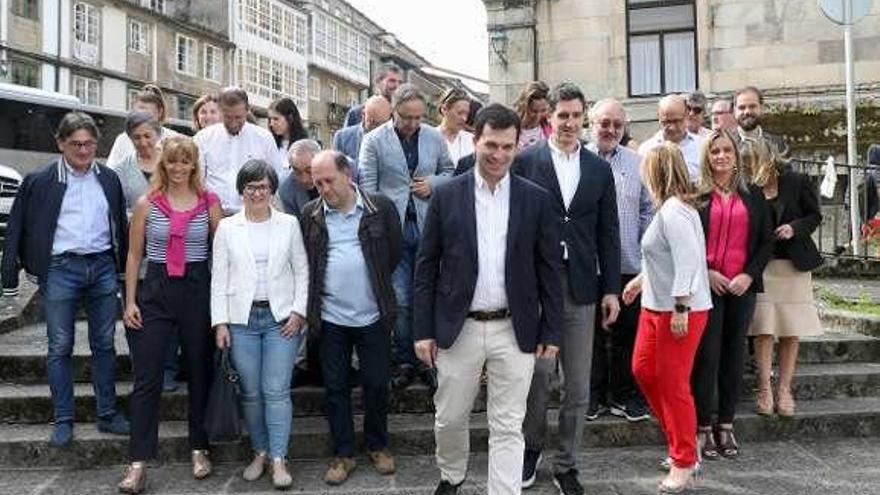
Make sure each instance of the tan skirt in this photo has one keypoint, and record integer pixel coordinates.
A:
(786, 307)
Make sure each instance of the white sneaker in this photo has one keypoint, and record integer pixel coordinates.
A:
(254, 470)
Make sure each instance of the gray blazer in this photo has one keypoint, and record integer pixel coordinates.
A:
(348, 142)
(383, 168)
(134, 184)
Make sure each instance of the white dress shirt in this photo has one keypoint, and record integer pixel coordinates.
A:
(492, 210)
(461, 146)
(222, 155)
(568, 170)
(689, 146)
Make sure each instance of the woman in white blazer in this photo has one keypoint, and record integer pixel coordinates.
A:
(259, 291)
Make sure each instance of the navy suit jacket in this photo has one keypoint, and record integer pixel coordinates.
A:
(348, 142)
(446, 265)
(590, 226)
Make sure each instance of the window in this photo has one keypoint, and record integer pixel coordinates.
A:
(352, 99)
(23, 72)
(139, 37)
(85, 32)
(157, 5)
(213, 63)
(184, 107)
(314, 88)
(274, 22)
(334, 93)
(271, 78)
(340, 45)
(186, 55)
(662, 46)
(26, 8)
(87, 90)
(132, 95)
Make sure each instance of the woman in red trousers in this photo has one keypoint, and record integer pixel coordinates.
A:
(674, 284)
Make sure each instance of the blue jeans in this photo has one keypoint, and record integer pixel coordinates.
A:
(264, 359)
(72, 279)
(374, 349)
(402, 281)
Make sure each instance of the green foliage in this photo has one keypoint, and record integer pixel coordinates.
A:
(862, 304)
(813, 130)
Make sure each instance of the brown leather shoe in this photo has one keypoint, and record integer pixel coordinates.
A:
(339, 470)
(201, 464)
(383, 461)
(135, 478)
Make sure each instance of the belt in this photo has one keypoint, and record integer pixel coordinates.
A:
(260, 304)
(73, 254)
(498, 314)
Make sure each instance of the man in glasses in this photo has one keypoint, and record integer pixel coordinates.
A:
(68, 228)
(298, 188)
(696, 107)
(611, 382)
(405, 160)
(672, 114)
(722, 116)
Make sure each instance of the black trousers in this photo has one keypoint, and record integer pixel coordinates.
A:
(720, 357)
(374, 351)
(611, 379)
(167, 304)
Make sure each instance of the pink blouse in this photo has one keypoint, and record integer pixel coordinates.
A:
(728, 241)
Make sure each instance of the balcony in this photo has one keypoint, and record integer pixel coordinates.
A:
(336, 114)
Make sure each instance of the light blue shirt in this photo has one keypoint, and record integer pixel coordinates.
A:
(84, 220)
(348, 294)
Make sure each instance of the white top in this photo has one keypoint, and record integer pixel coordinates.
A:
(689, 146)
(259, 236)
(123, 147)
(674, 259)
(222, 155)
(492, 210)
(461, 146)
(568, 170)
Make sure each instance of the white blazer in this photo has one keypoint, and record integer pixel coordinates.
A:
(234, 271)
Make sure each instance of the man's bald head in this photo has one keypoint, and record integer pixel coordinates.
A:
(671, 113)
(377, 111)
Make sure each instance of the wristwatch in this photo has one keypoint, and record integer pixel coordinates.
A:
(681, 308)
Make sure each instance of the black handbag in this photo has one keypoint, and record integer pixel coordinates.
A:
(223, 416)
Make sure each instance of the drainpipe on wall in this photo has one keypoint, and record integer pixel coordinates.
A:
(535, 70)
(58, 52)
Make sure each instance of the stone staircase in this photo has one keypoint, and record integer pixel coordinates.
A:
(837, 388)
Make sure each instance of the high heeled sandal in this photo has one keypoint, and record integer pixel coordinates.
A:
(688, 485)
(201, 464)
(134, 480)
(785, 405)
(764, 402)
(706, 443)
(726, 441)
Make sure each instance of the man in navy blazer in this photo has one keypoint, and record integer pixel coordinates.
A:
(584, 200)
(487, 293)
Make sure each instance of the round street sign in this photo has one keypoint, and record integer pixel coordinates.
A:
(840, 13)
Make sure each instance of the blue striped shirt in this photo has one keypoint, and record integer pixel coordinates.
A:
(634, 207)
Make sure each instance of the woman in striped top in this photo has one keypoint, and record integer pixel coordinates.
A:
(173, 223)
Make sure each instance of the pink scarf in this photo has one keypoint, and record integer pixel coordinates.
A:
(175, 257)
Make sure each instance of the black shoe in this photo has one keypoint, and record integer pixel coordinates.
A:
(595, 410)
(531, 461)
(634, 411)
(402, 376)
(447, 488)
(568, 483)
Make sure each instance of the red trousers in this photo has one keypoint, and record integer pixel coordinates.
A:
(662, 366)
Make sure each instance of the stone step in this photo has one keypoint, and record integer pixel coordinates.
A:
(33, 404)
(412, 434)
(23, 353)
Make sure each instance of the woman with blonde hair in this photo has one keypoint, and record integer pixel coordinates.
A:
(173, 224)
(738, 246)
(455, 107)
(674, 284)
(786, 310)
(533, 109)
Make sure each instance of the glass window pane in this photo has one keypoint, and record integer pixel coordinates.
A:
(661, 18)
(678, 62)
(644, 64)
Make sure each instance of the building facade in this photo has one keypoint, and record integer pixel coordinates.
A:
(104, 51)
(637, 50)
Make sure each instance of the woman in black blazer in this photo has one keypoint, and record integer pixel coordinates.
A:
(738, 246)
(786, 310)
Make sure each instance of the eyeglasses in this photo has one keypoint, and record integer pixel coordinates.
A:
(83, 145)
(608, 124)
(666, 122)
(254, 189)
(721, 112)
(695, 109)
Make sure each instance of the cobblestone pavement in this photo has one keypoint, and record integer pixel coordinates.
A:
(840, 467)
